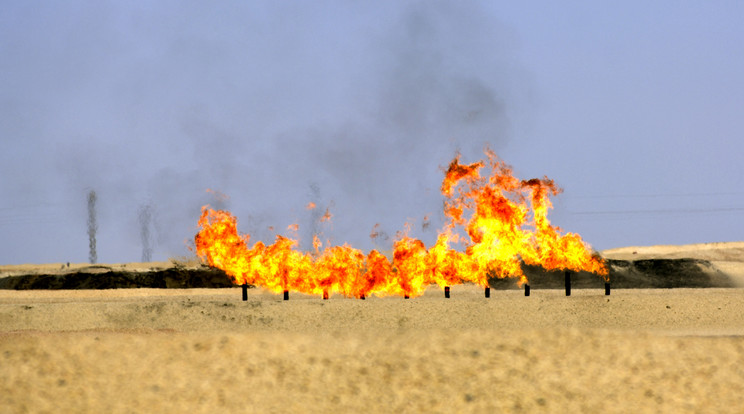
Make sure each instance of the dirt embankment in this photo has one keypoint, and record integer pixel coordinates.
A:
(726, 258)
(114, 276)
(690, 266)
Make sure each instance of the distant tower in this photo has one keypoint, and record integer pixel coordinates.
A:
(92, 226)
(145, 218)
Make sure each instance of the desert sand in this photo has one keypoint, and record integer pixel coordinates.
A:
(206, 350)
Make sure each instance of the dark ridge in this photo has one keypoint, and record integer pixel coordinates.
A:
(624, 274)
(106, 278)
(628, 274)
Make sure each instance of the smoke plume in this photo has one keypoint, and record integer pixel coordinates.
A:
(256, 100)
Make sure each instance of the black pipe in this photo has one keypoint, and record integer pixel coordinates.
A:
(325, 295)
(568, 283)
(446, 292)
(607, 288)
(488, 292)
(244, 286)
(405, 297)
(361, 296)
(526, 290)
(286, 295)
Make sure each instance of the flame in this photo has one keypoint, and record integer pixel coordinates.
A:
(375, 233)
(326, 216)
(220, 196)
(499, 221)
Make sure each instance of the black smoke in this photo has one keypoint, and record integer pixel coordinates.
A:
(256, 100)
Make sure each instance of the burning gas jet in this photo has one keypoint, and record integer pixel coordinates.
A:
(498, 220)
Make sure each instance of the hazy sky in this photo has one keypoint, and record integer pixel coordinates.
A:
(635, 109)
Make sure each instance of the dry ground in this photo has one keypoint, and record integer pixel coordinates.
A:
(155, 350)
(202, 350)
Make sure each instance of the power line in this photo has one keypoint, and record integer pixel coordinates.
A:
(659, 195)
(659, 211)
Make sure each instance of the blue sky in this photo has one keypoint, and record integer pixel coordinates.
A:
(634, 109)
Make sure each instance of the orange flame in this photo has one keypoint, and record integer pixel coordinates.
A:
(504, 218)
(375, 233)
(220, 196)
(326, 216)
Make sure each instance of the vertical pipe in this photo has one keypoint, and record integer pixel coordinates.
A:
(286, 295)
(607, 288)
(488, 291)
(361, 296)
(526, 290)
(568, 283)
(325, 295)
(245, 291)
(446, 292)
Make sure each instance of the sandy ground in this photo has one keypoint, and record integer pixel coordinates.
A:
(201, 350)
(205, 350)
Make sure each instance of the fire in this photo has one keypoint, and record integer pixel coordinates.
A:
(498, 220)
(326, 216)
